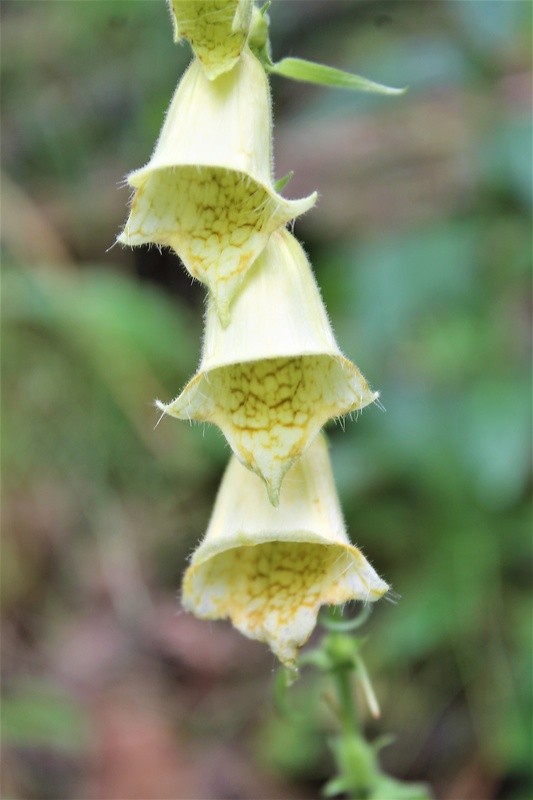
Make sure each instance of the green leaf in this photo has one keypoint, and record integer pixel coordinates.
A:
(300, 70)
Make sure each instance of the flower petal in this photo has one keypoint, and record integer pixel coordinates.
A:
(207, 191)
(218, 221)
(270, 569)
(275, 376)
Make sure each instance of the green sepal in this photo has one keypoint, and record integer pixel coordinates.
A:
(329, 618)
(298, 69)
(279, 185)
(335, 786)
(243, 16)
(382, 741)
(283, 679)
(315, 658)
(386, 788)
(258, 40)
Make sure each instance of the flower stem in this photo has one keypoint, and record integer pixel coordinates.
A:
(358, 775)
(355, 759)
(348, 716)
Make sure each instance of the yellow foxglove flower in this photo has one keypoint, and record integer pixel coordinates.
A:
(274, 377)
(207, 191)
(270, 569)
(216, 29)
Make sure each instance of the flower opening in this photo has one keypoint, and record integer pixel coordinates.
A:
(270, 569)
(275, 376)
(207, 191)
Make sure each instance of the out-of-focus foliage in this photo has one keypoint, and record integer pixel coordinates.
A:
(422, 246)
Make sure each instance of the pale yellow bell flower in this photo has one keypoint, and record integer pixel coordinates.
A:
(270, 569)
(207, 191)
(216, 29)
(275, 376)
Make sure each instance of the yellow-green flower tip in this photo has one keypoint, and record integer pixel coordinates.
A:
(275, 376)
(207, 191)
(216, 29)
(270, 569)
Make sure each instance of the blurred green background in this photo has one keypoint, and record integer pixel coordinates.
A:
(421, 242)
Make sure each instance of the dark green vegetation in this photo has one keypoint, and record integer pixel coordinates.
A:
(422, 246)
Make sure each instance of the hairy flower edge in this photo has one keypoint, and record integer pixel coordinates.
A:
(275, 376)
(270, 569)
(207, 190)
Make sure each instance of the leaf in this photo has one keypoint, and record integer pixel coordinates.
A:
(298, 69)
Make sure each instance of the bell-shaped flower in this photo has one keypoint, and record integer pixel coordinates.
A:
(275, 376)
(207, 191)
(216, 29)
(270, 569)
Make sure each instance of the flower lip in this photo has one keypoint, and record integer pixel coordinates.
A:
(270, 569)
(271, 410)
(207, 190)
(275, 376)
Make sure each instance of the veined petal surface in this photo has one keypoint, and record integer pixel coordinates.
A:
(275, 376)
(207, 190)
(216, 29)
(270, 569)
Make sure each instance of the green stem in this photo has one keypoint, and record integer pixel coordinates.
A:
(358, 774)
(350, 745)
(347, 711)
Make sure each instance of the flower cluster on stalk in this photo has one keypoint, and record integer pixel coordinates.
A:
(271, 373)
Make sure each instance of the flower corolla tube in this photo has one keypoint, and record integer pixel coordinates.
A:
(207, 190)
(216, 29)
(270, 569)
(275, 376)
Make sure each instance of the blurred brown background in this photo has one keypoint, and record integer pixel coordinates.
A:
(422, 245)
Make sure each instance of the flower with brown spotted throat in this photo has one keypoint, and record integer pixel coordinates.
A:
(216, 29)
(270, 569)
(275, 376)
(271, 373)
(207, 191)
